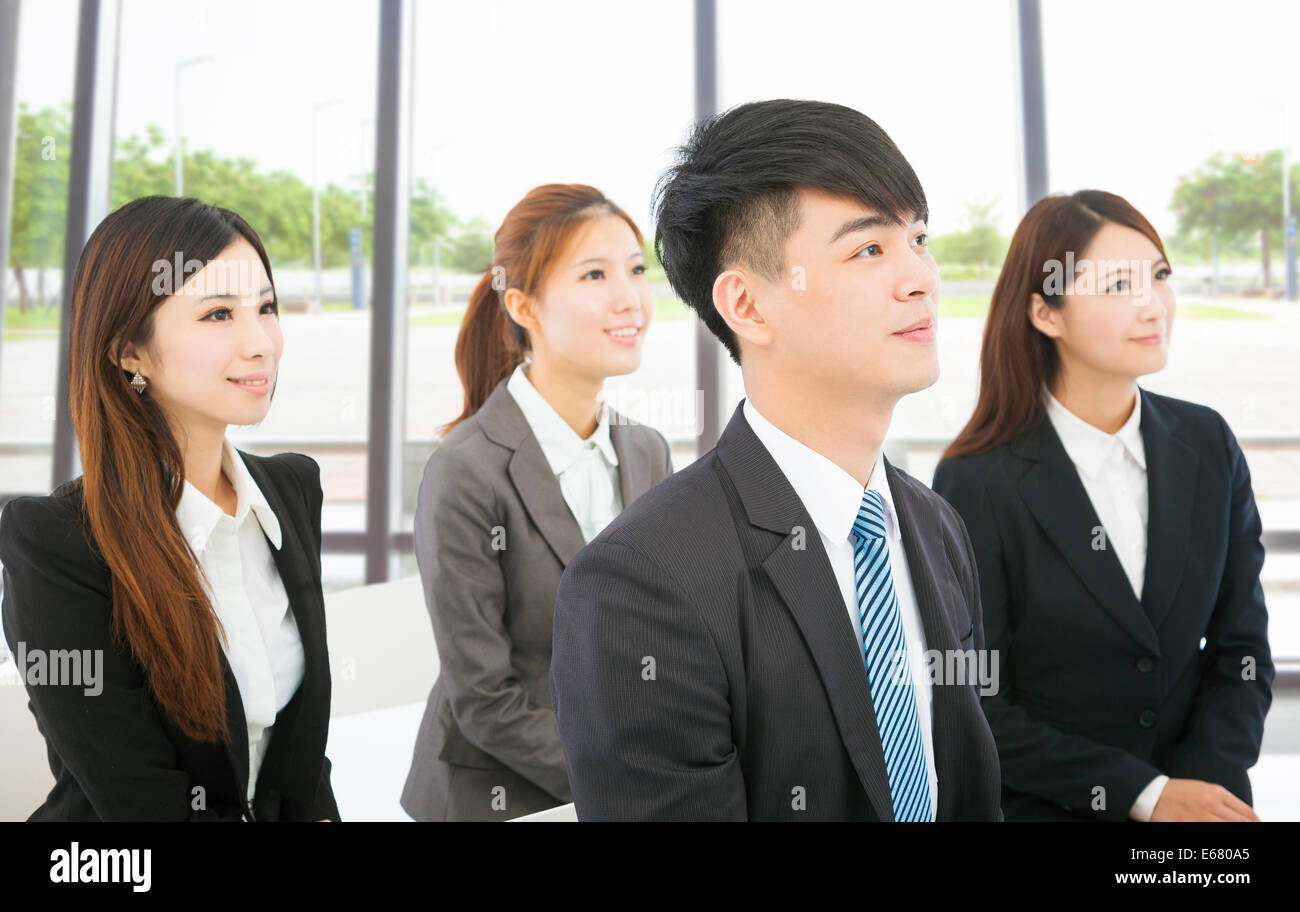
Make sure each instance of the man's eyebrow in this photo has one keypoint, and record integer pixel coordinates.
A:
(217, 297)
(865, 223)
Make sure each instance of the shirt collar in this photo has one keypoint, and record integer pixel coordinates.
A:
(198, 516)
(831, 495)
(1088, 446)
(560, 443)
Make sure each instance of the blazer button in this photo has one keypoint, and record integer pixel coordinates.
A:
(1147, 718)
(1146, 663)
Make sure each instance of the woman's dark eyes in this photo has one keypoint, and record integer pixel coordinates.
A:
(636, 270)
(1161, 274)
(275, 309)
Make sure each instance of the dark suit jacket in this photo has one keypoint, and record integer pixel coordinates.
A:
(705, 666)
(487, 748)
(115, 755)
(1099, 689)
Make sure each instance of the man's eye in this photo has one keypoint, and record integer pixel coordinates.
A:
(869, 247)
(595, 272)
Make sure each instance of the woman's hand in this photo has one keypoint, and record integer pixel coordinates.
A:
(1193, 799)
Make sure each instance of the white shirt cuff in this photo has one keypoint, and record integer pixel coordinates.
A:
(1145, 805)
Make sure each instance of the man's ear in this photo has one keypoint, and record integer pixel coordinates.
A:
(735, 298)
(1043, 318)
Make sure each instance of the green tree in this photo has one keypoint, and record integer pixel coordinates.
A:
(41, 150)
(430, 223)
(472, 249)
(978, 243)
(1237, 197)
(277, 204)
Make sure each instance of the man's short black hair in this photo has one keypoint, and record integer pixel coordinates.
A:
(732, 197)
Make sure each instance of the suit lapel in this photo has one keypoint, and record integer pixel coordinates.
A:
(540, 492)
(1171, 489)
(806, 583)
(923, 544)
(503, 422)
(236, 744)
(633, 466)
(294, 563)
(1055, 495)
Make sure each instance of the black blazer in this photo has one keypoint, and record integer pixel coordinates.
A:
(115, 756)
(759, 698)
(1099, 689)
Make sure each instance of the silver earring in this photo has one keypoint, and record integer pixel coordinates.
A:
(138, 383)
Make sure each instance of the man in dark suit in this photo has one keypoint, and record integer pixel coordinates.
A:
(756, 637)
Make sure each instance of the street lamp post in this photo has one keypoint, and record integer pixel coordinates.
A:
(1288, 220)
(315, 198)
(180, 176)
(433, 209)
(367, 156)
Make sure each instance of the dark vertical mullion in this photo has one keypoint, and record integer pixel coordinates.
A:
(1032, 101)
(708, 358)
(89, 189)
(387, 416)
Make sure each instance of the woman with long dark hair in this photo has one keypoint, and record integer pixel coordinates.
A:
(532, 469)
(183, 573)
(1116, 536)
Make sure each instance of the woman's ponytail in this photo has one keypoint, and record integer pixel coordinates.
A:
(490, 345)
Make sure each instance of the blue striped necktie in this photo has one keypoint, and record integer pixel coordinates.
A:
(884, 648)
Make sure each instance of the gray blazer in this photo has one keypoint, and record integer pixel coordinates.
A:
(493, 534)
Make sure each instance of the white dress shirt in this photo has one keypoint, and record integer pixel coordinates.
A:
(587, 470)
(833, 498)
(262, 643)
(1113, 469)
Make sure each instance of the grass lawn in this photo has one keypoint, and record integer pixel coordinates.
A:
(19, 326)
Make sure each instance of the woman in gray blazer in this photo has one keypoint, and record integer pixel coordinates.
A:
(534, 467)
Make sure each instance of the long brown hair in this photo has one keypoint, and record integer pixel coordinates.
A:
(490, 344)
(133, 473)
(1016, 360)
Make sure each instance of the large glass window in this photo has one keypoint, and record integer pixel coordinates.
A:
(1189, 121)
(31, 284)
(940, 80)
(266, 103)
(510, 95)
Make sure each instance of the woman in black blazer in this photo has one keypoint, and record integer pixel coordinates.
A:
(1116, 537)
(165, 608)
